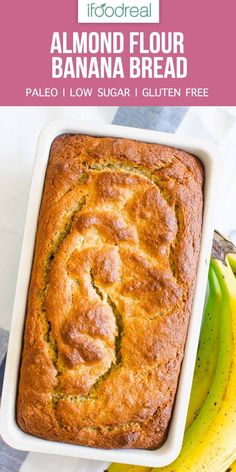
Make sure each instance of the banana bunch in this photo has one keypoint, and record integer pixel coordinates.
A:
(210, 436)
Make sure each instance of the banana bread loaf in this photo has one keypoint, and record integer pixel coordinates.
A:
(111, 292)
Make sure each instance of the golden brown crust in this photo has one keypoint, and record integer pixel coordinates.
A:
(111, 292)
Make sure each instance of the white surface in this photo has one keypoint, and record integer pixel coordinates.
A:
(217, 125)
(171, 448)
(36, 462)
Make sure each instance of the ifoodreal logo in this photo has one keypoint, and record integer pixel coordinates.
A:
(118, 11)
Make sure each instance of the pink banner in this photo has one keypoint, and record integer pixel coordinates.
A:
(207, 77)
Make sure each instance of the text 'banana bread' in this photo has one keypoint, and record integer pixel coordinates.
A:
(111, 292)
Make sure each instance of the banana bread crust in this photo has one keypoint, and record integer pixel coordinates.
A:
(111, 292)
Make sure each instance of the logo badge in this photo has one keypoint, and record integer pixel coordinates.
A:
(118, 11)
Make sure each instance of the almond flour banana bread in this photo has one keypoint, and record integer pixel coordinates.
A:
(111, 292)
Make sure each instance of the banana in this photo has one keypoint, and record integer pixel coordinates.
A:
(207, 351)
(220, 442)
(130, 468)
(232, 468)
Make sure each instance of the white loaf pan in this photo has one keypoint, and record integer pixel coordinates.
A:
(10, 431)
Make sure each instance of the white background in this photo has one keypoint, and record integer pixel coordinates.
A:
(19, 129)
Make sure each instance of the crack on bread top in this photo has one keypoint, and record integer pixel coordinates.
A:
(47, 325)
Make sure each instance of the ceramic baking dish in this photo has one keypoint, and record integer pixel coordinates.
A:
(10, 431)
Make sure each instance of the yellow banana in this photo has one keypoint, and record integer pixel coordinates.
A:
(220, 441)
(232, 468)
(207, 351)
(130, 468)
